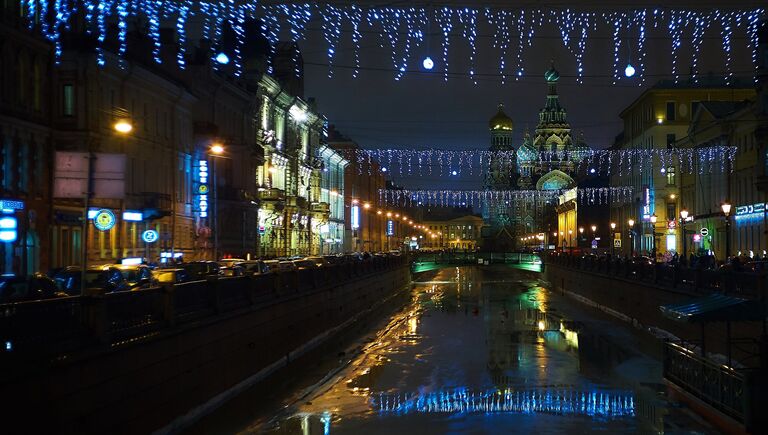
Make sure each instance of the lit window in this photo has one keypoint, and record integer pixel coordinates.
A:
(68, 100)
(671, 175)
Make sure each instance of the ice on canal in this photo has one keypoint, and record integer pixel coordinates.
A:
(474, 352)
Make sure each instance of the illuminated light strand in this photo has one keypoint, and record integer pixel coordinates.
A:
(455, 198)
(686, 160)
(331, 33)
(401, 27)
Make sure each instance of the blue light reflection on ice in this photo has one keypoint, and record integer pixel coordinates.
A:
(597, 404)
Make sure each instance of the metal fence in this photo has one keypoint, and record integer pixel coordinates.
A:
(460, 257)
(744, 284)
(722, 387)
(55, 328)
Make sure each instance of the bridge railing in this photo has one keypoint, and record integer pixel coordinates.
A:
(55, 328)
(737, 283)
(460, 257)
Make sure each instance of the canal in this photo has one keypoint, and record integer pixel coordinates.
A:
(473, 350)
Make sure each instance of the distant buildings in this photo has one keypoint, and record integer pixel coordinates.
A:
(666, 116)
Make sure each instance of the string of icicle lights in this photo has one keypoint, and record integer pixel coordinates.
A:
(437, 162)
(471, 198)
(404, 30)
(597, 404)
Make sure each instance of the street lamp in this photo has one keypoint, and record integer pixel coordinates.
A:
(123, 126)
(613, 244)
(631, 223)
(683, 218)
(216, 150)
(594, 236)
(654, 218)
(726, 206)
(570, 240)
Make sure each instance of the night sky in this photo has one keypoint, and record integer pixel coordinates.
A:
(422, 110)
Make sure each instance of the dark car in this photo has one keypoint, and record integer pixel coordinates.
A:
(35, 287)
(98, 279)
(138, 277)
(171, 276)
(199, 270)
(255, 267)
(230, 271)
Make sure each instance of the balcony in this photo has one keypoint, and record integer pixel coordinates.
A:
(271, 195)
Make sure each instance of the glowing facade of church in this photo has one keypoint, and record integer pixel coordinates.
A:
(529, 171)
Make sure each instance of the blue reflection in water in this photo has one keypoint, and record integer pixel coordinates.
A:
(598, 404)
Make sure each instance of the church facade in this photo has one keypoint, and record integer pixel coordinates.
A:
(538, 166)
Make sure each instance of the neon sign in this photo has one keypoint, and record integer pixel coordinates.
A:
(8, 229)
(104, 220)
(750, 212)
(390, 228)
(647, 203)
(149, 236)
(355, 217)
(202, 188)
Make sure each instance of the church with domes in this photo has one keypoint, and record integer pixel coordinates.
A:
(537, 166)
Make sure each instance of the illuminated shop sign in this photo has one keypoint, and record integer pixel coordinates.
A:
(202, 188)
(132, 216)
(750, 212)
(104, 220)
(355, 217)
(150, 236)
(647, 203)
(11, 205)
(390, 228)
(8, 229)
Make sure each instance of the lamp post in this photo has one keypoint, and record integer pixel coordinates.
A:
(581, 236)
(613, 244)
(631, 223)
(726, 207)
(683, 218)
(570, 240)
(654, 218)
(216, 151)
(594, 236)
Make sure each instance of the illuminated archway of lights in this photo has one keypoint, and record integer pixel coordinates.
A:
(404, 30)
(598, 404)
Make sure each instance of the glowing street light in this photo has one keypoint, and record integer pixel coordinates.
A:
(123, 126)
(217, 149)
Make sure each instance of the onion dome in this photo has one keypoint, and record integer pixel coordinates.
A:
(501, 121)
(552, 75)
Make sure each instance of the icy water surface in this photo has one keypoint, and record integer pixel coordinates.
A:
(483, 352)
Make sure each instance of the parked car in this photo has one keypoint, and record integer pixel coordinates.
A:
(255, 267)
(171, 276)
(199, 270)
(230, 271)
(333, 259)
(138, 277)
(228, 262)
(98, 280)
(286, 266)
(272, 265)
(21, 289)
(319, 261)
(305, 264)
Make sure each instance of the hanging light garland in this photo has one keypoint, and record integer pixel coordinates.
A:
(471, 198)
(402, 30)
(455, 162)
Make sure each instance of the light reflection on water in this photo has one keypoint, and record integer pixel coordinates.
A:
(469, 345)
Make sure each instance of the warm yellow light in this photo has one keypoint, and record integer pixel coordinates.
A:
(354, 201)
(397, 215)
(366, 206)
(541, 325)
(389, 214)
(631, 222)
(672, 196)
(123, 126)
(570, 231)
(217, 148)
(594, 228)
(334, 193)
(613, 225)
(581, 230)
(726, 208)
(379, 212)
(272, 169)
(684, 214)
(660, 120)
(554, 234)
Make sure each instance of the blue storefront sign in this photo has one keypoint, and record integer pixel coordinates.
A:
(104, 220)
(8, 229)
(149, 236)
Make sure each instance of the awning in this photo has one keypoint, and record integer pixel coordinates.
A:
(715, 308)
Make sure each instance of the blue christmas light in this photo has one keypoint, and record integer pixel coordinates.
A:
(222, 58)
(629, 71)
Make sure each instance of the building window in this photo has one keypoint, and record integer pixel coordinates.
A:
(671, 138)
(68, 100)
(694, 107)
(670, 110)
(671, 176)
(671, 211)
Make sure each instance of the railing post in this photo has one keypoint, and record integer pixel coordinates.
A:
(214, 296)
(169, 308)
(97, 320)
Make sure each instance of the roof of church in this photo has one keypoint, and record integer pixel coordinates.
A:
(501, 121)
